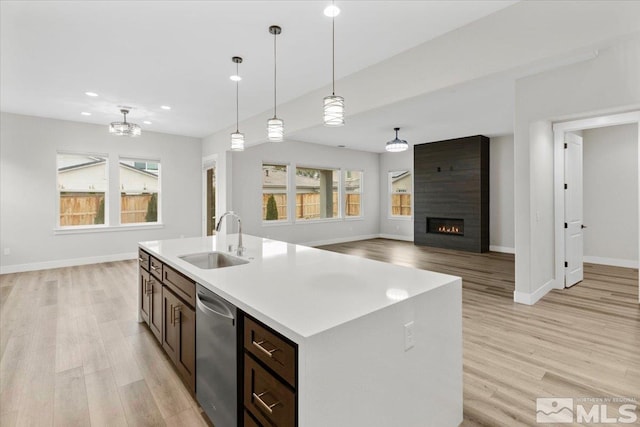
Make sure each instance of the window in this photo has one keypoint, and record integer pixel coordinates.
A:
(353, 192)
(139, 191)
(274, 192)
(82, 189)
(317, 193)
(400, 186)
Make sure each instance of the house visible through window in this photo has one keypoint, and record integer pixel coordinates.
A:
(139, 191)
(400, 185)
(274, 192)
(82, 189)
(317, 193)
(353, 193)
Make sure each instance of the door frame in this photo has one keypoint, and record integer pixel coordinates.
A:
(207, 162)
(559, 129)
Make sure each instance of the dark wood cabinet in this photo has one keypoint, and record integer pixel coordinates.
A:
(167, 306)
(179, 335)
(150, 290)
(143, 290)
(270, 376)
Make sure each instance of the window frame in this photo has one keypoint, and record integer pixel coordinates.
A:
(287, 191)
(344, 195)
(339, 188)
(90, 227)
(147, 160)
(390, 194)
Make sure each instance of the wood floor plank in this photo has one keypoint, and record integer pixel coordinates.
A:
(70, 404)
(139, 406)
(105, 408)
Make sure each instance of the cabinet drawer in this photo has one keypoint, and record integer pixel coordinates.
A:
(249, 421)
(274, 351)
(185, 288)
(155, 267)
(268, 399)
(143, 259)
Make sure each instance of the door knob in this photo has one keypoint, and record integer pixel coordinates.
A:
(583, 226)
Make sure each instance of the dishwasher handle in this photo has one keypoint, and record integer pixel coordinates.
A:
(213, 308)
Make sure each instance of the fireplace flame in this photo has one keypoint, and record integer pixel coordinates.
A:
(448, 229)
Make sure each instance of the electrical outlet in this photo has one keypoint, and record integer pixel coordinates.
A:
(7, 251)
(409, 336)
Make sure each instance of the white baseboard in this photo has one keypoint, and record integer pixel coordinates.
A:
(19, 268)
(502, 249)
(615, 262)
(396, 237)
(340, 240)
(534, 297)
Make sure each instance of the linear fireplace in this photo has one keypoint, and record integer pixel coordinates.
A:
(451, 226)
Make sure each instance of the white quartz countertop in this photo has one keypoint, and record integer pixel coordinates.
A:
(298, 290)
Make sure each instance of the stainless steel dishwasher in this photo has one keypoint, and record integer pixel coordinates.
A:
(216, 358)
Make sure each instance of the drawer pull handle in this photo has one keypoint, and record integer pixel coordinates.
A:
(258, 398)
(149, 287)
(175, 314)
(154, 268)
(269, 353)
(141, 259)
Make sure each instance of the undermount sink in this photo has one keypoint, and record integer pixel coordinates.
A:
(211, 260)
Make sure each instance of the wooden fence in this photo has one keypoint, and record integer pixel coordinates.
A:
(401, 204)
(308, 205)
(82, 208)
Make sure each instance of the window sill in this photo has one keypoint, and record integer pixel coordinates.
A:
(317, 220)
(275, 223)
(400, 218)
(106, 228)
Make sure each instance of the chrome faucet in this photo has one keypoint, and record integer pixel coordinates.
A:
(240, 250)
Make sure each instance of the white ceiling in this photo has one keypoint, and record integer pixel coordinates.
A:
(150, 53)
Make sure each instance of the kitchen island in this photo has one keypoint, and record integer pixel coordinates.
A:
(376, 344)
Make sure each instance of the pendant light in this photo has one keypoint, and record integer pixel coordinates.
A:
(124, 128)
(396, 145)
(237, 138)
(333, 104)
(275, 126)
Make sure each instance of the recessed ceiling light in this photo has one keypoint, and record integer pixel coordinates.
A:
(331, 11)
(341, 146)
(165, 107)
(91, 94)
(84, 113)
(235, 78)
(147, 122)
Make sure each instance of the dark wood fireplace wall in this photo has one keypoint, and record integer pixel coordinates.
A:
(451, 191)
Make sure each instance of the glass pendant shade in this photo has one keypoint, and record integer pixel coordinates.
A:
(397, 145)
(275, 130)
(237, 141)
(124, 128)
(333, 110)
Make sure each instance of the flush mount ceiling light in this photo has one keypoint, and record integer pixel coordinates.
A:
(165, 107)
(237, 138)
(396, 145)
(124, 128)
(92, 94)
(275, 126)
(333, 105)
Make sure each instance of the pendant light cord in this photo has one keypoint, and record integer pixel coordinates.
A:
(237, 102)
(275, 74)
(333, 51)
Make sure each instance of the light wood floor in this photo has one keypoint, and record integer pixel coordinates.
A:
(72, 353)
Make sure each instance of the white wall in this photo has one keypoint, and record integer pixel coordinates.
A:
(246, 198)
(501, 221)
(611, 195)
(608, 83)
(28, 147)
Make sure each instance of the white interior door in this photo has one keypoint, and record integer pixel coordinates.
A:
(574, 239)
